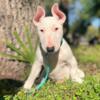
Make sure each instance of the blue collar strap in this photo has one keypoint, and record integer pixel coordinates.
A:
(44, 80)
(41, 84)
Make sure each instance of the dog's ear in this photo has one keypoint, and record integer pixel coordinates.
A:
(40, 13)
(56, 12)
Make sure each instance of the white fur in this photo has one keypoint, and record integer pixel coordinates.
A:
(49, 24)
(62, 61)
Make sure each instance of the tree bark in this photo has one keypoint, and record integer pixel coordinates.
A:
(14, 15)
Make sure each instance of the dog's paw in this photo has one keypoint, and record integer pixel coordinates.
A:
(80, 73)
(27, 87)
(78, 80)
(78, 76)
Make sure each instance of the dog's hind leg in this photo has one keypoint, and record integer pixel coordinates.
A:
(76, 74)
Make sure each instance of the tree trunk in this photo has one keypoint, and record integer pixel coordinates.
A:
(14, 15)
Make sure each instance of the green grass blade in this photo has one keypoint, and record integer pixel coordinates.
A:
(10, 56)
(24, 55)
(32, 50)
(26, 52)
(34, 54)
(29, 43)
(20, 42)
(29, 39)
(13, 48)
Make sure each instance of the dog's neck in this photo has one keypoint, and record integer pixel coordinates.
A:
(48, 61)
(47, 57)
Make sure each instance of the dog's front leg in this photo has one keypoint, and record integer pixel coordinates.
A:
(36, 68)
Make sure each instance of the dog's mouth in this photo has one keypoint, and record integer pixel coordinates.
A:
(52, 53)
(50, 50)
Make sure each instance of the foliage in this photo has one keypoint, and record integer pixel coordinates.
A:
(92, 32)
(91, 7)
(25, 52)
(48, 4)
(88, 90)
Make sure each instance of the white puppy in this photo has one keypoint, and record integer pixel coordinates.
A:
(53, 50)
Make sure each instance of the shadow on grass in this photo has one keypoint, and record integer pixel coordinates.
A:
(9, 86)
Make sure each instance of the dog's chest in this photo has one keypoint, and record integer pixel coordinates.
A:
(51, 60)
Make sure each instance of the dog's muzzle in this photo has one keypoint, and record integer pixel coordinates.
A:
(50, 49)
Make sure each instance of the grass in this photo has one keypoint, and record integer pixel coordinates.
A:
(25, 52)
(89, 61)
(88, 54)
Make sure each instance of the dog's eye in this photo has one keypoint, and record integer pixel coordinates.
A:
(56, 28)
(41, 30)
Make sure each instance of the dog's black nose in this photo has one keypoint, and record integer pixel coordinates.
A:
(50, 49)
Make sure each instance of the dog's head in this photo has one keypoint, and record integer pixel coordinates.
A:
(50, 28)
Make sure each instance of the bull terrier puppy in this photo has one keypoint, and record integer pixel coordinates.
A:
(53, 49)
